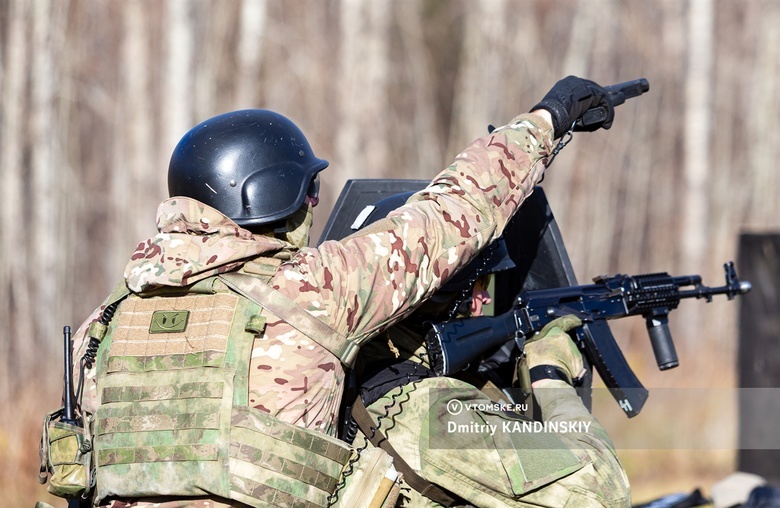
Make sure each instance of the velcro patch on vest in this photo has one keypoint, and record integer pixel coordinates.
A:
(169, 321)
(172, 333)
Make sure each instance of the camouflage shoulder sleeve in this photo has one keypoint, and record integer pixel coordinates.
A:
(366, 282)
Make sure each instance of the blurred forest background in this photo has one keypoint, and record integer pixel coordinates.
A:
(94, 94)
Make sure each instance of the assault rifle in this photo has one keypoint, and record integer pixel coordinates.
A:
(454, 344)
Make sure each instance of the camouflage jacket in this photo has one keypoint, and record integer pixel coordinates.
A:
(359, 286)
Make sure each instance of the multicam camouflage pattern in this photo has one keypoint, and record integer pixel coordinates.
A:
(358, 286)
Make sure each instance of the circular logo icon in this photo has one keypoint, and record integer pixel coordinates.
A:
(454, 407)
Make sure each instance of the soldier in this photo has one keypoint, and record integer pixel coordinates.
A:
(213, 374)
(487, 460)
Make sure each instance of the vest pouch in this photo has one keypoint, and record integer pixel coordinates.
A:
(373, 482)
(274, 463)
(66, 456)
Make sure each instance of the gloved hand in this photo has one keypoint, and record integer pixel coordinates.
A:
(553, 346)
(570, 98)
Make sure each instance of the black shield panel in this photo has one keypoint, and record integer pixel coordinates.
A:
(532, 237)
(356, 195)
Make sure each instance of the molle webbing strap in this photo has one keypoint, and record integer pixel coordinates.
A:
(270, 454)
(378, 439)
(173, 419)
(273, 300)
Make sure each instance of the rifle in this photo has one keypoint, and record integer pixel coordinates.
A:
(454, 344)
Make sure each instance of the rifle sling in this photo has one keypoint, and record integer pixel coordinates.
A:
(378, 439)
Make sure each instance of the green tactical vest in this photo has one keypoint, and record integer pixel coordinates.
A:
(173, 418)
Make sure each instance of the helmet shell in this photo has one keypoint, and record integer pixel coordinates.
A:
(252, 165)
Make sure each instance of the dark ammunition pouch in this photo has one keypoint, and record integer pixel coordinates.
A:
(66, 457)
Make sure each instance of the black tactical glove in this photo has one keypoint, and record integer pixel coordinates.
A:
(570, 98)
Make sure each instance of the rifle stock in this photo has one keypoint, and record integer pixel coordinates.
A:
(456, 343)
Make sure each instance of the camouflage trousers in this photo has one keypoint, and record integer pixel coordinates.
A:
(453, 436)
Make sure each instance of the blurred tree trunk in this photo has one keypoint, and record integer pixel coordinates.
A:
(250, 48)
(17, 305)
(363, 83)
(698, 95)
(133, 162)
(178, 77)
(697, 131)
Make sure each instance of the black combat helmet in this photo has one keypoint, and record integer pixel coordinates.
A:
(494, 258)
(253, 165)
